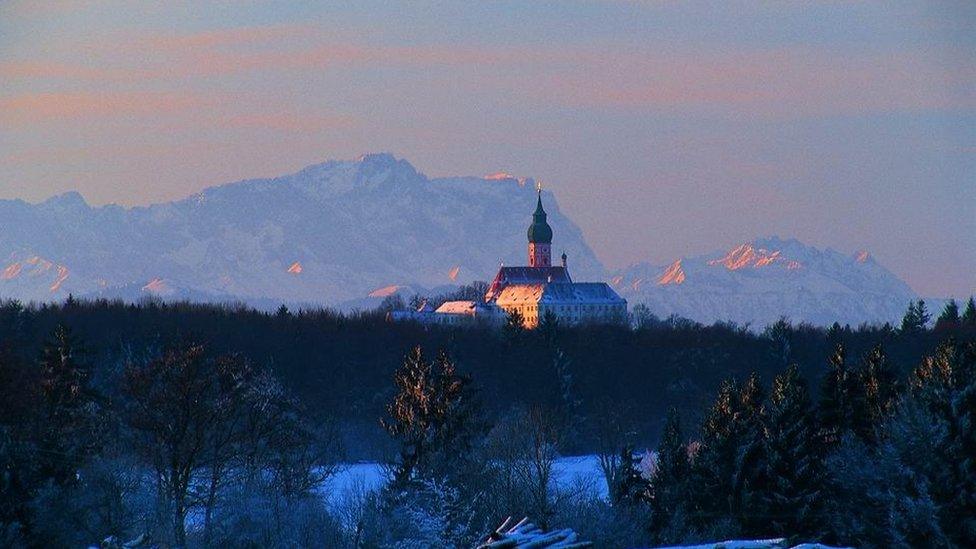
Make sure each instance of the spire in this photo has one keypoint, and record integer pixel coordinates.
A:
(538, 205)
(539, 231)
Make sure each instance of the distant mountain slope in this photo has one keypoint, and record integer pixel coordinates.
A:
(760, 281)
(329, 233)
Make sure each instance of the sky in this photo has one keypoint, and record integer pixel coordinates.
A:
(665, 129)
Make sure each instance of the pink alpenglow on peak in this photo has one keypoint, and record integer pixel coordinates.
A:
(40, 264)
(63, 274)
(12, 271)
(498, 176)
(505, 176)
(746, 255)
(737, 258)
(156, 286)
(674, 274)
(384, 291)
(296, 268)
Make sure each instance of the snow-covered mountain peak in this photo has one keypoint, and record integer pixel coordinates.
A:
(71, 200)
(761, 280)
(674, 274)
(329, 233)
(862, 256)
(755, 255)
(505, 176)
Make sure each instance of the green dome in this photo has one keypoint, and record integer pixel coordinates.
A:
(539, 231)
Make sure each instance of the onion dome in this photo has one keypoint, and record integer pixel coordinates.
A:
(539, 231)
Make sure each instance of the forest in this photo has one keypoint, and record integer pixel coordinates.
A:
(178, 424)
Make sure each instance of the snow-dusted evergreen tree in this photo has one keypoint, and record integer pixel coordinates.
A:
(632, 488)
(842, 397)
(669, 483)
(430, 514)
(879, 496)
(432, 417)
(916, 317)
(715, 467)
(880, 385)
(945, 386)
(961, 508)
(569, 405)
(791, 499)
(922, 315)
(750, 460)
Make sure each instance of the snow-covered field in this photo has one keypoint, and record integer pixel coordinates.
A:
(356, 478)
(753, 544)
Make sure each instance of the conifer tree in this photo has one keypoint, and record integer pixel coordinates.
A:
(715, 466)
(514, 326)
(945, 385)
(69, 405)
(842, 401)
(961, 443)
(909, 322)
(790, 499)
(834, 402)
(632, 488)
(432, 416)
(949, 319)
(880, 384)
(932, 381)
(922, 315)
(750, 458)
(549, 328)
(669, 479)
(969, 315)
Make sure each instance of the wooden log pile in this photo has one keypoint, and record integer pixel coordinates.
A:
(525, 535)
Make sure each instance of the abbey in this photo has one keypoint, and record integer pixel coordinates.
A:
(532, 291)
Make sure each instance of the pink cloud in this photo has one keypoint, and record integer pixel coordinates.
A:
(49, 69)
(229, 37)
(35, 107)
(764, 83)
(286, 122)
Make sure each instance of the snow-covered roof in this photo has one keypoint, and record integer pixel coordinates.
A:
(526, 275)
(465, 308)
(560, 292)
(457, 308)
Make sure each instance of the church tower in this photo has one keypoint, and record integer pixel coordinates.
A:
(540, 238)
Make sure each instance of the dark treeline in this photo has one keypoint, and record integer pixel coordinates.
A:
(223, 422)
(340, 365)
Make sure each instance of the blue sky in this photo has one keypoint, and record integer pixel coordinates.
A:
(665, 128)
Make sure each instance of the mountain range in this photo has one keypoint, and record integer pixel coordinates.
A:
(329, 233)
(760, 281)
(353, 232)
